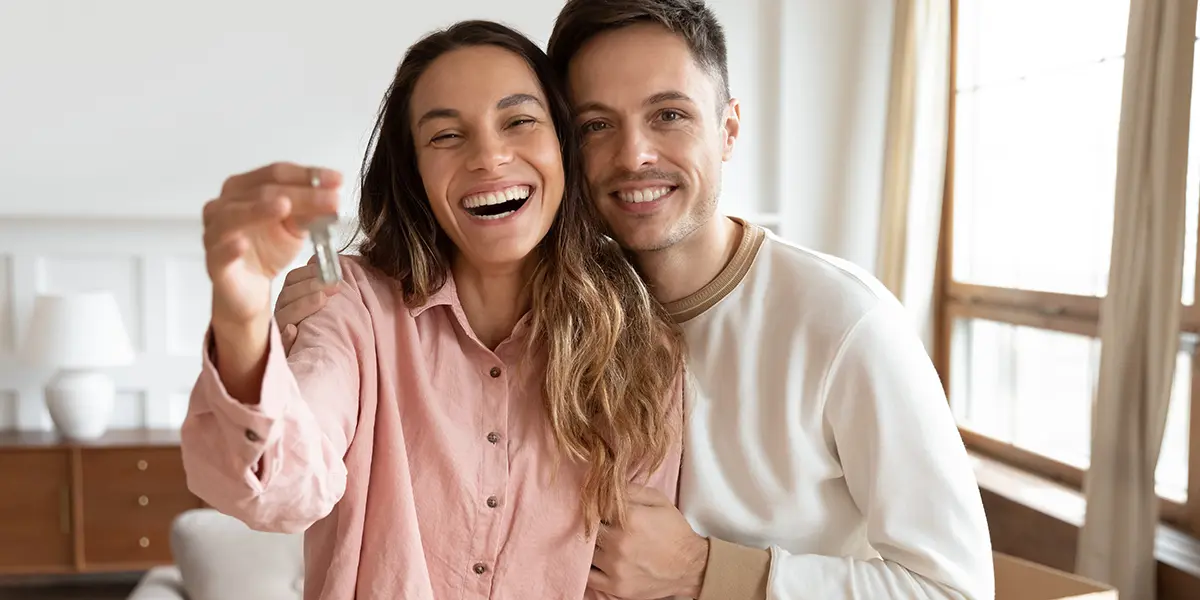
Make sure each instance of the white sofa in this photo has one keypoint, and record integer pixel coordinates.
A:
(218, 557)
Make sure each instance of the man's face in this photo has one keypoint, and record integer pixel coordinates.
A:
(654, 135)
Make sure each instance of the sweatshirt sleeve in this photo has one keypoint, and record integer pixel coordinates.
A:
(907, 471)
(279, 465)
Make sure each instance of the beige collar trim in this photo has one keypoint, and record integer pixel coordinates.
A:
(729, 278)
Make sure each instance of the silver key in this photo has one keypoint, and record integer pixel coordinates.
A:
(321, 231)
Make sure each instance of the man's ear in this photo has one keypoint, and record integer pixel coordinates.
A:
(731, 125)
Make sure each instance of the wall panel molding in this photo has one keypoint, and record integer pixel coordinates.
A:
(156, 270)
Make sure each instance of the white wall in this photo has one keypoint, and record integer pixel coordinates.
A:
(119, 119)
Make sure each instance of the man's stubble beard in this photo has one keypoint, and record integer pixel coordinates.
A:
(694, 220)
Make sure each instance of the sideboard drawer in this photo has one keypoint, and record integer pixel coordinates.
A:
(35, 511)
(145, 469)
(89, 506)
(132, 528)
(130, 498)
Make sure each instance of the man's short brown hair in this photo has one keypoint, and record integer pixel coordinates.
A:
(581, 20)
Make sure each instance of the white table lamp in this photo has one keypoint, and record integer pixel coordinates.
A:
(78, 334)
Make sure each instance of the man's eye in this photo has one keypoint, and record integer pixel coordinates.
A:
(593, 126)
(671, 115)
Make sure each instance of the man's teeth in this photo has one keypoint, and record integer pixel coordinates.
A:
(643, 195)
(516, 192)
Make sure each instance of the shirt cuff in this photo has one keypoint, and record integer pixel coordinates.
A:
(254, 426)
(735, 572)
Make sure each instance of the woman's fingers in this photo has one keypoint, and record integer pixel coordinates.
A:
(283, 173)
(220, 255)
(229, 217)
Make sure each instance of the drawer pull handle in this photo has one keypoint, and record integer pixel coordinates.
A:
(143, 500)
(143, 465)
(144, 542)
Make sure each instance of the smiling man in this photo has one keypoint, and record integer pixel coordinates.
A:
(820, 457)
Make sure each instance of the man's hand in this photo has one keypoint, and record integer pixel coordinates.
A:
(655, 555)
(302, 295)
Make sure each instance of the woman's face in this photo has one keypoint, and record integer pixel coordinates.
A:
(488, 154)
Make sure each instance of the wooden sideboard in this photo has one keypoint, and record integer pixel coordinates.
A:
(89, 507)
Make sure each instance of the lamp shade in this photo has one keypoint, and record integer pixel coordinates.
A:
(78, 331)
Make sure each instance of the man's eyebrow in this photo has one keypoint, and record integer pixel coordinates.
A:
(659, 98)
(508, 101)
(592, 107)
(667, 96)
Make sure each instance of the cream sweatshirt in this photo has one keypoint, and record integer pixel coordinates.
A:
(820, 453)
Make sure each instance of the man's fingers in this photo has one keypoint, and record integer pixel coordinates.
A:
(284, 173)
(600, 582)
(287, 336)
(292, 292)
(603, 562)
(309, 271)
(648, 496)
(299, 309)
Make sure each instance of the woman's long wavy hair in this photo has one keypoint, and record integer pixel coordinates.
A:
(613, 354)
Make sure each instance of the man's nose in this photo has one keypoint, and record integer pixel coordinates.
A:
(637, 150)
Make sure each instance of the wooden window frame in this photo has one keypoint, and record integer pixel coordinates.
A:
(1041, 310)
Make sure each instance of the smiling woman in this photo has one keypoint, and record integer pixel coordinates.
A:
(491, 367)
(492, 167)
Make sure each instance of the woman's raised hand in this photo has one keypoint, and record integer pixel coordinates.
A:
(255, 229)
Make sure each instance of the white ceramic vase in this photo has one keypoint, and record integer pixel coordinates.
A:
(80, 403)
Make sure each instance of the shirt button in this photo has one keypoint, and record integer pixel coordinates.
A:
(493, 437)
(250, 435)
(479, 568)
(492, 502)
(495, 372)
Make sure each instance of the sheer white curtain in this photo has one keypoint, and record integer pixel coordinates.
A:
(1139, 324)
(915, 156)
(859, 146)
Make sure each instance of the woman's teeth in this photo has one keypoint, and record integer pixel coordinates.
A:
(643, 195)
(496, 197)
(497, 204)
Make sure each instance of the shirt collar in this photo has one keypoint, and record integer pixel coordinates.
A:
(447, 295)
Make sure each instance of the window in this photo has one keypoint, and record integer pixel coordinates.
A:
(1027, 229)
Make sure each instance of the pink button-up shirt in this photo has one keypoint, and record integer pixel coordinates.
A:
(419, 462)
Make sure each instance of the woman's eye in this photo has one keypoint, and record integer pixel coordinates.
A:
(671, 115)
(593, 126)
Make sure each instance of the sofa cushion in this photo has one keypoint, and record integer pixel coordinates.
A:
(159, 583)
(220, 558)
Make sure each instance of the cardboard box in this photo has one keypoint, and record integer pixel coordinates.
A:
(1018, 579)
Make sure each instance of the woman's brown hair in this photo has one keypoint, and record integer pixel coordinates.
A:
(613, 354)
